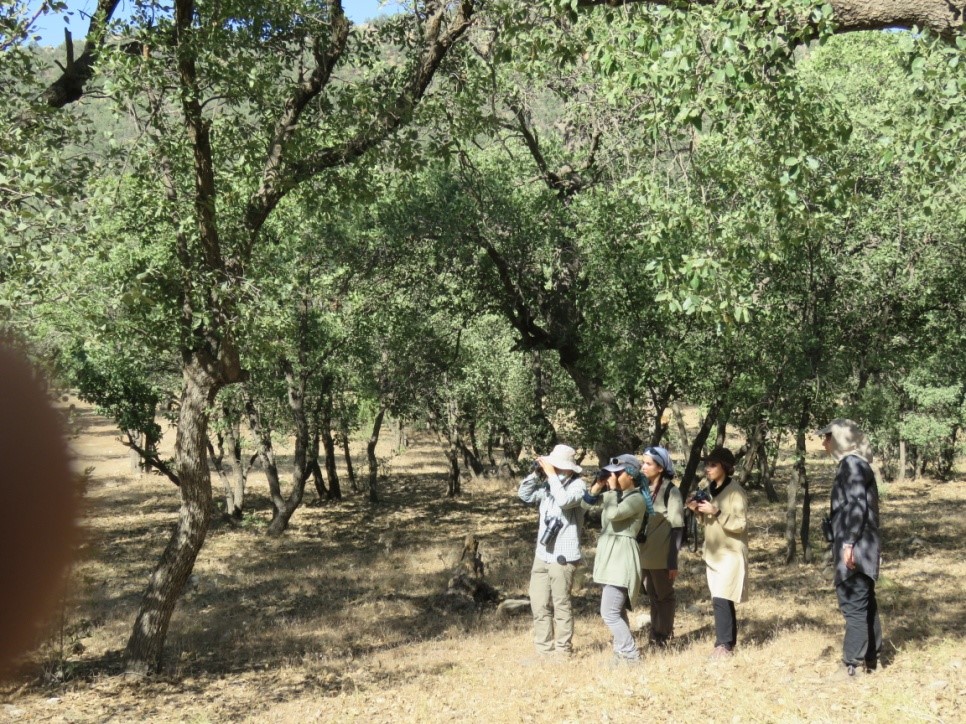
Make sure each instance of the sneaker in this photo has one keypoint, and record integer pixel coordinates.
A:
(722, 651)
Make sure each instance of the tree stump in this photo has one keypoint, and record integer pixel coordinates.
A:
(467, 582)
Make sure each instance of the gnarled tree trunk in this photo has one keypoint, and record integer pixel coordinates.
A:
(144, 648)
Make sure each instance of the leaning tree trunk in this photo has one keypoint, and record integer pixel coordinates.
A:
(144, 648)
(694, 457)
(768, 473)
(701, 437)
(296, 383)
(371, 456)
(756, 452)
(314, 466)
(266, 452)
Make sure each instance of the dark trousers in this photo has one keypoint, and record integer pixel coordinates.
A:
(725, 623)
(660, 594)
(863, 631)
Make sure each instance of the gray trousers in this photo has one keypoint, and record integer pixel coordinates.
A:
(660, 594)
(613, 609)
(550, 585)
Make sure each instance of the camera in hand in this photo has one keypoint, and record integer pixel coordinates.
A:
(553, 526)
(701, 495)
(827, 532)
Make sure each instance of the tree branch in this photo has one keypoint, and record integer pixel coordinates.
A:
(943, 17)
(273, 185)
(436, 44)
(151, 457)
(71, 84)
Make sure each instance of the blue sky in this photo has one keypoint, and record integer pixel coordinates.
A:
(50, 28)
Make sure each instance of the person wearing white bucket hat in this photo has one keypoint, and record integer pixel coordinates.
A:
(556, 487)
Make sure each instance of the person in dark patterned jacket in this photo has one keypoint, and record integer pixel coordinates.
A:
(856, 544)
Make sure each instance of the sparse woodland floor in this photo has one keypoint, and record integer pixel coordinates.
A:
(343, 618)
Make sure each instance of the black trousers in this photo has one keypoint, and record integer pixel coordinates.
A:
(725, 623)
(863, 631)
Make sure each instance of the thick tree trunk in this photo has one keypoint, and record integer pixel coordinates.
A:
(144, 648)
(371, 456)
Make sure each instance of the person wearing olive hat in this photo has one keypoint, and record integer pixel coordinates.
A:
(659, 551)
(555, 486)
(617, 565)
(723, 513)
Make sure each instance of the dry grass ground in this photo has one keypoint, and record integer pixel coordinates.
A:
(344, 619)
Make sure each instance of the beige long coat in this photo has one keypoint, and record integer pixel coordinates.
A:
(726, 544)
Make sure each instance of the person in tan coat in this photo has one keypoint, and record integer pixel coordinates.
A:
(725, 544)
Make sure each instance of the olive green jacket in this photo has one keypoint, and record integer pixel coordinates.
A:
(618, 558)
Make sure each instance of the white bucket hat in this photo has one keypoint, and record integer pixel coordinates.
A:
(562, 457)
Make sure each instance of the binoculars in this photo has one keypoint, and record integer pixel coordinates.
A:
(550, 532)
(700, 495)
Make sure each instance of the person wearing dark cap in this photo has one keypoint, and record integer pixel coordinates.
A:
(856, 545)
(555, 486)
(617, 564)
(723, 515)
(659, 551)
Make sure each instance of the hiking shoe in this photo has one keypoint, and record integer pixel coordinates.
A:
(619, 660)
